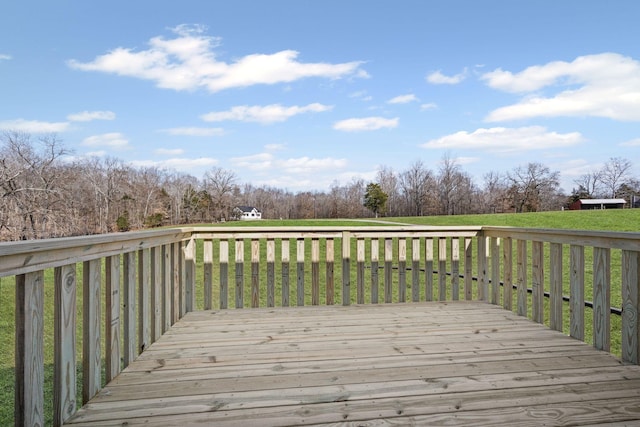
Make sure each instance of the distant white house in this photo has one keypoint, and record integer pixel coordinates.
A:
(247, 213)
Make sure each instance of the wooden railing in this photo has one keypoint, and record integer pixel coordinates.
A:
(146, 281)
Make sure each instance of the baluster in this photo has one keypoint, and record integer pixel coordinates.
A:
(315, 271)
(360, 256)
(285, 251)
(555, 287)
(255, 273)
(329, 266)
(129, 311)
(468, 268)
(112, 312)
(521, 273)
(239, 273)
(388, 270)
(507, 262)
(91, 357)
(271, 272)
(601, 298)
(415, 269)
(630, 307)
(224, 274)
(402, 269)
(156, 293)
(346, 268)
(375, 258)
(537, 281)
(300, 272)
(455, 268)
(29, 351)
(64, 358)
(207, 259)
(442, 268)
(144, 283)
(495, 270)
(428, 269)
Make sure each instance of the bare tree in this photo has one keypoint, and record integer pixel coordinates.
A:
(532, 187)
(388, 181)
(614, 172)
(590, 183)
(30, 185)
(416, 182)
(221, 185)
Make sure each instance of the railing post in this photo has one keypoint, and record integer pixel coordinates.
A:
(346, 268)
(29, 351)
(630, 307)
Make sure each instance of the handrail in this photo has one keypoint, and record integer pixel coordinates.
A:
(154, 277)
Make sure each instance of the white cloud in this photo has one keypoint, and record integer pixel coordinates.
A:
(87, 116)
(195, 131)
(4, 57)
(361, 95)
(263, 114)
(403, 99)
(112, 140)
(428, 106)
(189, 62)
(365, 124)
(274, 147)
(506, 140)
(169, 151)
(33, 126)
(181, 164)
(437, 78)
(300, 165)
(631, 143)
(603, 85)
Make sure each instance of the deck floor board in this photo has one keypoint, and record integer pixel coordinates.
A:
(461, 363)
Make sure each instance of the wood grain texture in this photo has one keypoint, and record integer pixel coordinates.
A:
(425, 364)
(601, 298)
(631, 307)
(91, 337)
(576, 296)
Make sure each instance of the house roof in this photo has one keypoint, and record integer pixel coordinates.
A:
(602, 201)
(248, 208)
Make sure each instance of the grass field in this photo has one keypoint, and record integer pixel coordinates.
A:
(612, 220)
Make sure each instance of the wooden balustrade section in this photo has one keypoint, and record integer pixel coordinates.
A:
(148, 282)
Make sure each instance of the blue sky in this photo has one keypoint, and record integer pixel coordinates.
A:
(303, 94)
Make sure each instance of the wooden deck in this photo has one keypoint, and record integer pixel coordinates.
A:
(460, 363)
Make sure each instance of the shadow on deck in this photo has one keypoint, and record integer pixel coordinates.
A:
(456, 363)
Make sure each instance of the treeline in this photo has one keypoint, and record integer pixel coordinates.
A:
(45, 194)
